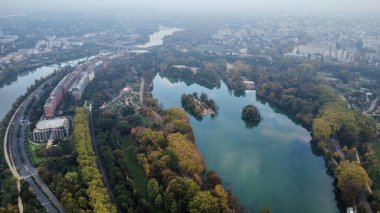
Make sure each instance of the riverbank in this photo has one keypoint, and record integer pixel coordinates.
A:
(16, 161)
(11, 91)
(11, 73)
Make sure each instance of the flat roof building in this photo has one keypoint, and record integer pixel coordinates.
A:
(50, 129)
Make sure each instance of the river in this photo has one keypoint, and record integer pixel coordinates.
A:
(157, 38)
(270, 166)
(12, 90)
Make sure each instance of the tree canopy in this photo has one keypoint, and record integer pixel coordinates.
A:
(251, 114)
(351, 171)
(203, 202)
(96, 191)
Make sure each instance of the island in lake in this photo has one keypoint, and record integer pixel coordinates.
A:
(199, 106)
(251, 116)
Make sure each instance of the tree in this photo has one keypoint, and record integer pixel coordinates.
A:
(71, 177)
(222, 198)
(158, 201)
(213, 178)
(153, 189)
(204, 97)
(176, 113)
(351, 171)
(350, 194)
(96, 191)
(349, 134)
(173, 207)
(321, 129)
(251, 114)
(189, 158)
(204, 202)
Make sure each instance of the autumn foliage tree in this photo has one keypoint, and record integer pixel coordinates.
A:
(96, 191)
(176, 168)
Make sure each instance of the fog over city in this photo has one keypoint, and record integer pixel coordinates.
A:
(245, 7)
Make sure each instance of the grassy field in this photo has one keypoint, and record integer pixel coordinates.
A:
(33, 148)
(136, 171)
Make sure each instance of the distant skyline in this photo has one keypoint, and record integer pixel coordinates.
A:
(244, 7)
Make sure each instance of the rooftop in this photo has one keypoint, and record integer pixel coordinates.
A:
(51, 123)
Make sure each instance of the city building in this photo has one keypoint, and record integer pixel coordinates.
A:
(50, 129)
(53, 101)
(80, 86)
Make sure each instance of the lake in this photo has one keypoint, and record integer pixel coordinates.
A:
(270, 166)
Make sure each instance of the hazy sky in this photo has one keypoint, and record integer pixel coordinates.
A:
(242, 6)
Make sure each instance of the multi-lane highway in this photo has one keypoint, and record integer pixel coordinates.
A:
(18, 159)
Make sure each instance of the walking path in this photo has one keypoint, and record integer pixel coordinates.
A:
(373, 106)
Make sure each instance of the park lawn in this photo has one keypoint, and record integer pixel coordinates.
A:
(135, 170)
(32, 148)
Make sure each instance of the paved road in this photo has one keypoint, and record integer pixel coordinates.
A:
(141, 92)
(19, 158)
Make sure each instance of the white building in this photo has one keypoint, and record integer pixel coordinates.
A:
(50, 129)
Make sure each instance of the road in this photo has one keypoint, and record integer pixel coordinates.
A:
(18, 159)
(141, 92)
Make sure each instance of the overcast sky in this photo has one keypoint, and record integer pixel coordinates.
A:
(242, 6)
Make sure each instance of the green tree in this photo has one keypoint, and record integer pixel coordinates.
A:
(321, 129)
(71, 177)
(204, 202)
(173, 207)
(251, 114)
(153, 189)
(351, 171)
(158, 201)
